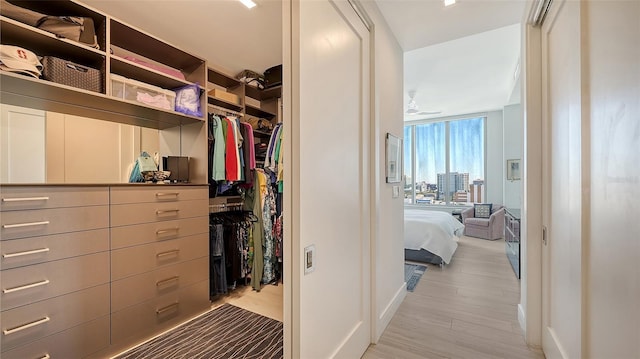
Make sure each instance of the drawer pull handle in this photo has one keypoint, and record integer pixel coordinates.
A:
(165, 194)
(46, 356)
(167, 308)
(168, 230)
(25, 326)
(25, 253)
(25, 199)
(159, 212)
(30, 224)
(168, 253)
(165, 281)
(26, 286)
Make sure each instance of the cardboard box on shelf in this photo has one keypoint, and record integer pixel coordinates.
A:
(227, 96)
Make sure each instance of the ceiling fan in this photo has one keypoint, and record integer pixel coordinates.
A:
(412, 107)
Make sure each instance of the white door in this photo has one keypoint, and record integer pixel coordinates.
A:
(562, 201)
(330, 190)
(22, 145)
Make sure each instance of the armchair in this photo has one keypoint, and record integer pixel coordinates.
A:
(491, 228)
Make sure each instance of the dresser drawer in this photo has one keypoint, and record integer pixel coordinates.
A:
(33, 283)
(144, 258)
(76, 342)
(136, 213)
(41, 222)
(139, 194)
(137, 234)
(146, 286)
(29, 197)
(34, 250)
(145, 319)
(28, 323)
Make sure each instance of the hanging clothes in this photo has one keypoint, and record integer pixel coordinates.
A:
(218, 155)
(231, 152)
(217, 267)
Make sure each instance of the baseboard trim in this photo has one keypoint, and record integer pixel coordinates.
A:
(553, 349)
(522, 319)
(389, 311)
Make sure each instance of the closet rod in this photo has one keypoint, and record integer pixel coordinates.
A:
(223, 207)
(224, 111)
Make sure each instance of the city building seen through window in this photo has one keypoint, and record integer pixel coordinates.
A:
(444, 162)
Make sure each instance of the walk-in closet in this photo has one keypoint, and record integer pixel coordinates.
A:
(141, 178)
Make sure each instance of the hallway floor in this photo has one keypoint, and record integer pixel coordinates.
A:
(468, 309)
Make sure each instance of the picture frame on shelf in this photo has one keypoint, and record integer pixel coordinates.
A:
(393, 163)
(513, 170)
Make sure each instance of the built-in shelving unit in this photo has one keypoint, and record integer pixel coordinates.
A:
(263, 98)
(121, 40)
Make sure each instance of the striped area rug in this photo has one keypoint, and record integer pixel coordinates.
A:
(226, 332)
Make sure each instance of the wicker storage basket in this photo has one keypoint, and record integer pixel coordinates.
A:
(71, 74)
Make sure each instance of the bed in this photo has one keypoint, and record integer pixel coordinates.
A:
(430, 236)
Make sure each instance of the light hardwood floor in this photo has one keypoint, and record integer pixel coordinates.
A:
(468, 309)
(268, 301)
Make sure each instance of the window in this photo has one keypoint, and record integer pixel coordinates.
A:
(444, 162)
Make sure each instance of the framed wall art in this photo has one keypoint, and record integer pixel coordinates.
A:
(393, 169)
(513, 170)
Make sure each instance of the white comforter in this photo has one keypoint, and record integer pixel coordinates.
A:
(435, 231)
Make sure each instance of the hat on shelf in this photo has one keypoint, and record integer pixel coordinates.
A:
(19, 60)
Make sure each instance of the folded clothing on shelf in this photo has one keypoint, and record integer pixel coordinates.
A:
(144, 93)
(19, 60)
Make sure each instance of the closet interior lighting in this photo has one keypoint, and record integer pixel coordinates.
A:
(449, 2)
(248, 3)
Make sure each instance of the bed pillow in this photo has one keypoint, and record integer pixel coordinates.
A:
(482, 210)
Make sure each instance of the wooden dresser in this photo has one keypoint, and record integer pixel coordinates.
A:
(159, 258)
(55, 271)
(93, 269)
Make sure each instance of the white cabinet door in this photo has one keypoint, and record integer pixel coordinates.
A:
(22, 145)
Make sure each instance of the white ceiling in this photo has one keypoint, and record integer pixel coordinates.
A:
(458, 59)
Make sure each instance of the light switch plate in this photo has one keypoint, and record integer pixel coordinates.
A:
(396, 191)
(309, 259)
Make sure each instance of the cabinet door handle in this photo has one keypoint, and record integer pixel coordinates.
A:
(25, 199)
(167, 253)
(30, 224)
(25, 253)
(163, 211)
(167, 230)
(25, 326)
(167, 308)
(26, 286)
(167, 194)
(168, 280)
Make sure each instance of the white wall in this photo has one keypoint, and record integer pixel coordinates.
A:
(530, 307)
(495, 168)
(512, 145)
(388, 256)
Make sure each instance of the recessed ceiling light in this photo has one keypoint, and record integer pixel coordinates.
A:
(248, 3)
(449, 2)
